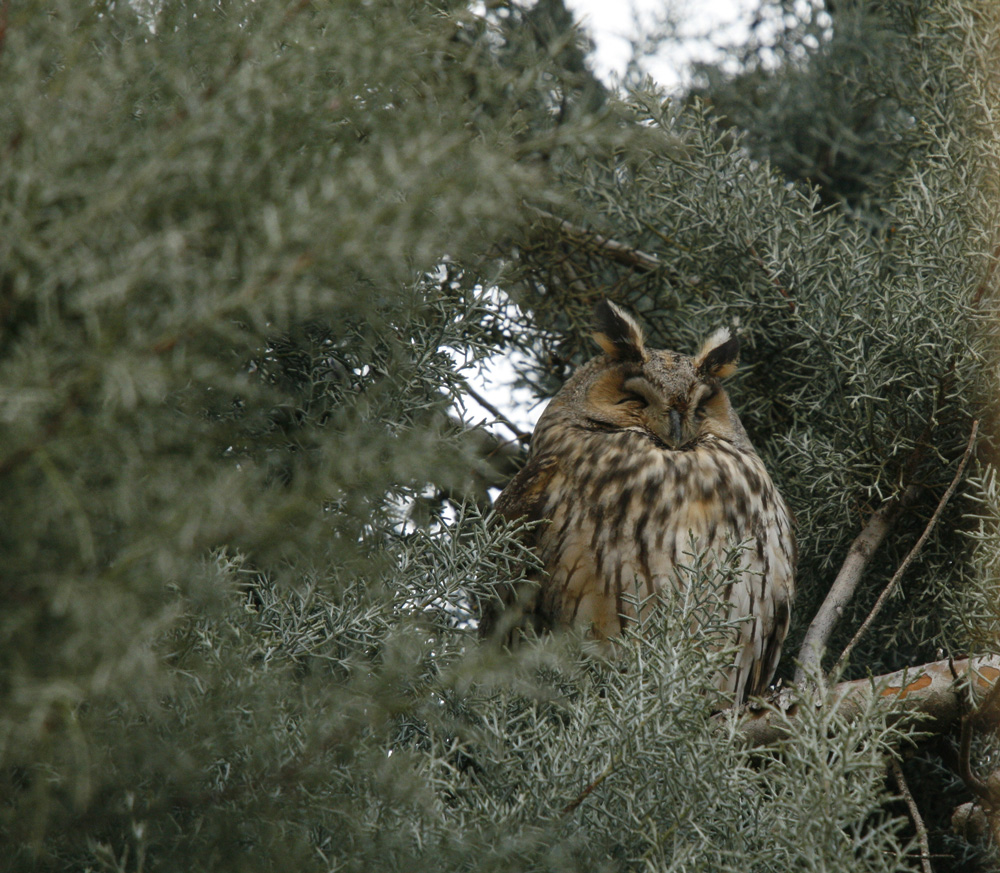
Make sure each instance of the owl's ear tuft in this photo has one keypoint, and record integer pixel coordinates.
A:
(618, 333)
(719, 355)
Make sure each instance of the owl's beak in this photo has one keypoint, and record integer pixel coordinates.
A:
(676, 427)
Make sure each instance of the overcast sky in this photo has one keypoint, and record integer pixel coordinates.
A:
(703, 24)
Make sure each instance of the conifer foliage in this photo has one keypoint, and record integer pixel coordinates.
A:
(248, 253)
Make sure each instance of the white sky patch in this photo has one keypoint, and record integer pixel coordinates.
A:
(703, 28)
(518, 403)
(496, 380)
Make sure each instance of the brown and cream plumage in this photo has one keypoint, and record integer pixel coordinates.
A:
(636, 463)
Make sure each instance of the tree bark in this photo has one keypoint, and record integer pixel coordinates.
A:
(934, 689)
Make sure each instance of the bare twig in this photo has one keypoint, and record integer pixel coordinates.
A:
(971, 780)
(988, 278)
(865, 544)
(894, 581)
(519, 434)
(918, 821)
(4, 18)
(612, 765)
(583, 795)
(759, 261)
(669, 240)
(610, 248)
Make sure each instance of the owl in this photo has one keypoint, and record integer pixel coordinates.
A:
(637, 463)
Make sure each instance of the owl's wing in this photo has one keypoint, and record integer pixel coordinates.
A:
(514, 606)
(524, 495)
(768, 637)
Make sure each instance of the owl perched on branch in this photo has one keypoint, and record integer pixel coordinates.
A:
(638, 463)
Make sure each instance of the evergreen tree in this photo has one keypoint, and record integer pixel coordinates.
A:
(829, 94)
(247, 254)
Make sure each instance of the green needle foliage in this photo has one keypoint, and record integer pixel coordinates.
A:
(867, 352)
(248, 254)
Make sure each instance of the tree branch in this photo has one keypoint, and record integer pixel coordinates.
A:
(918, 821)
(858, 555)
(931, 689)
(4, 18)
(988, 278)
(975, 785)
(610, 248)
(864, 546)
(884, 596)
(519, 434)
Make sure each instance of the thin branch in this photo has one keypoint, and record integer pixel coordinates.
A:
(988, 278)
(918, 821)
(759, 261)
(669, 240)
(4, 19)
(583, 795)
(894, 581)
(610, 768)
(519, 434)
(864, 546)
(858, 556)
(971, 780)
(610, 248)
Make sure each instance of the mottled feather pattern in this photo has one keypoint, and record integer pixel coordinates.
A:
(638, 462)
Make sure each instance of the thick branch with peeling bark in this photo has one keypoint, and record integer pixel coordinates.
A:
(935, 690)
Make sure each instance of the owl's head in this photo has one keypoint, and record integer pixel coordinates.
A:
(633, 387)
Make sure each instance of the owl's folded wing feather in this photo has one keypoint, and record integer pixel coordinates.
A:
(524, 495)
(524, 498)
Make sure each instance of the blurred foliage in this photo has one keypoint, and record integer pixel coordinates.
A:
(829, 94)
(249, 252)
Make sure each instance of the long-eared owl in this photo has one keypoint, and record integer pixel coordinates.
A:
(635, 464)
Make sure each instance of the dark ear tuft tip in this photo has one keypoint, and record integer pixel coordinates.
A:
(607, 317)
(719, 356)
(618, 333)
